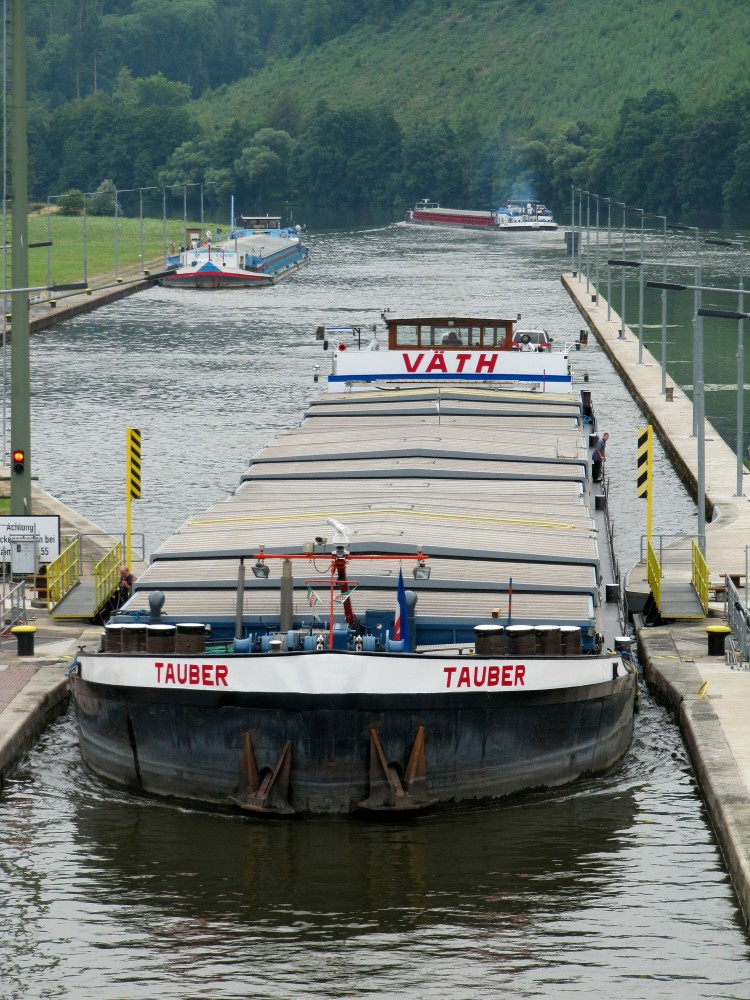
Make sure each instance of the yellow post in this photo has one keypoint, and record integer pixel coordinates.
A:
(645, 472)
(132, 481)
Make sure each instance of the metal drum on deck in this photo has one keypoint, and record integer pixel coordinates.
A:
(133, 638)
(570, 639)
(521, 639)
(160, 638)
(113, 637)
(190, 637)
(489, 640)
(548, 642)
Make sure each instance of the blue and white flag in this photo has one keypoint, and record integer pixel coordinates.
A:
(401, 625)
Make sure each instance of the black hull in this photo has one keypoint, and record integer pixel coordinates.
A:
(190, 747)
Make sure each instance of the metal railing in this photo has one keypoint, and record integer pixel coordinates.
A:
(666, 552)
(738, 620)
(107, 575)
(699, 575)
(63, 573)
(14, 607)
(653, 574)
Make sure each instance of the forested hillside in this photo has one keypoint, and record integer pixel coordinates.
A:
(385, 101)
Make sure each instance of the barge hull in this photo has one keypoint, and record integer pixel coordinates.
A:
(476, 745)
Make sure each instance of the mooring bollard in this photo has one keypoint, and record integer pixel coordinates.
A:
(717, 637)
(25, 639)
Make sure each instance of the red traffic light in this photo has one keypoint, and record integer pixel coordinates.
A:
(19, 457)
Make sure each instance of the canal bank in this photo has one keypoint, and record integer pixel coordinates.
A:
(34, 689)
(710, 700)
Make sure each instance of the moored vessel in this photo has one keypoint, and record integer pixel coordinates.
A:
(272, 658)
(259, 253)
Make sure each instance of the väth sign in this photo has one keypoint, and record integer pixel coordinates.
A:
(522, 367)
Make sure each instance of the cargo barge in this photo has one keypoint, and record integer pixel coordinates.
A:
(410, 601)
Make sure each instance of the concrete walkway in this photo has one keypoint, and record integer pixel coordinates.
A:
(711, 701)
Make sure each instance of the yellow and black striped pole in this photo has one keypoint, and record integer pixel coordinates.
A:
(132, 480)
(645, 463)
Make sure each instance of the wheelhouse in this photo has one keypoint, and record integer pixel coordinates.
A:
(450, 333)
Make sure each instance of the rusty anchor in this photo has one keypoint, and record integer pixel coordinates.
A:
(391, 792)
(266, 791)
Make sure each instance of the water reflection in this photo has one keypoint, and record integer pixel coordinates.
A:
(614, 886)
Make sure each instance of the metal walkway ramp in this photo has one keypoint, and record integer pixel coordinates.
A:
(72, 594)
(80, 602)
(679, 600)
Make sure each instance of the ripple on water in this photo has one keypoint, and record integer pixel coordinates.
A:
(614, 886)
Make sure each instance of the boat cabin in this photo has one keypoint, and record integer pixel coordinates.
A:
(261, 221)
(451, 333)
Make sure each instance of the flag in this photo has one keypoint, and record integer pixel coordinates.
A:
(312, 598)
(343, 597)
(401, 624)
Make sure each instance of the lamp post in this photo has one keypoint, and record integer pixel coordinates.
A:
(697, 320)
(663, 309)
(596, 269)
(621, 204)
(650, 284)
(609, 254)
(140, 191)
(580, 227)
(699, 411)
(588, 238)
(572, 228)
(640, 298)
(740, 358)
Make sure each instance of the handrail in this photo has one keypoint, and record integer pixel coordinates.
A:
(14, 607)
(653, 574)
(738, 620)
(106, 575)
(699, 576)
(63, 573)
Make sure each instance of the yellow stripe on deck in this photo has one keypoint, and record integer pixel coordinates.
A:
(317, 515)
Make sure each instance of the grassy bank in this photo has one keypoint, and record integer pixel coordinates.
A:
(64, 261)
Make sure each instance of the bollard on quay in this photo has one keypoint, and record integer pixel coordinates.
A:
(24, 638)
(717, 637)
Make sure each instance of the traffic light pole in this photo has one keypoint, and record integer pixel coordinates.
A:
(20, 401)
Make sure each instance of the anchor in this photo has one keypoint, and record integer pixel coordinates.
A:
(266, 791)
(388, 791)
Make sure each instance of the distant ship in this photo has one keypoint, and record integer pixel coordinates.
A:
(515, 215)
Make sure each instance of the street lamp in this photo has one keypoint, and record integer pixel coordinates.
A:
(140, 191)
(697, 320)
(609, 254)
(597, 249)
(621, 204)
(699, 408)
(588, 237)
(740, 358)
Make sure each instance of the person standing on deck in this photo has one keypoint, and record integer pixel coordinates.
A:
(599, 458)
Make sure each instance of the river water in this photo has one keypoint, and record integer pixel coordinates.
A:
(614, 887)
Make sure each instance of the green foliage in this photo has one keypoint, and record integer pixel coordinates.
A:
(467, 101)
(103, 200)
(71, 203)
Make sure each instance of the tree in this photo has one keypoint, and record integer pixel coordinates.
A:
(71, 203)
(103, 200)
